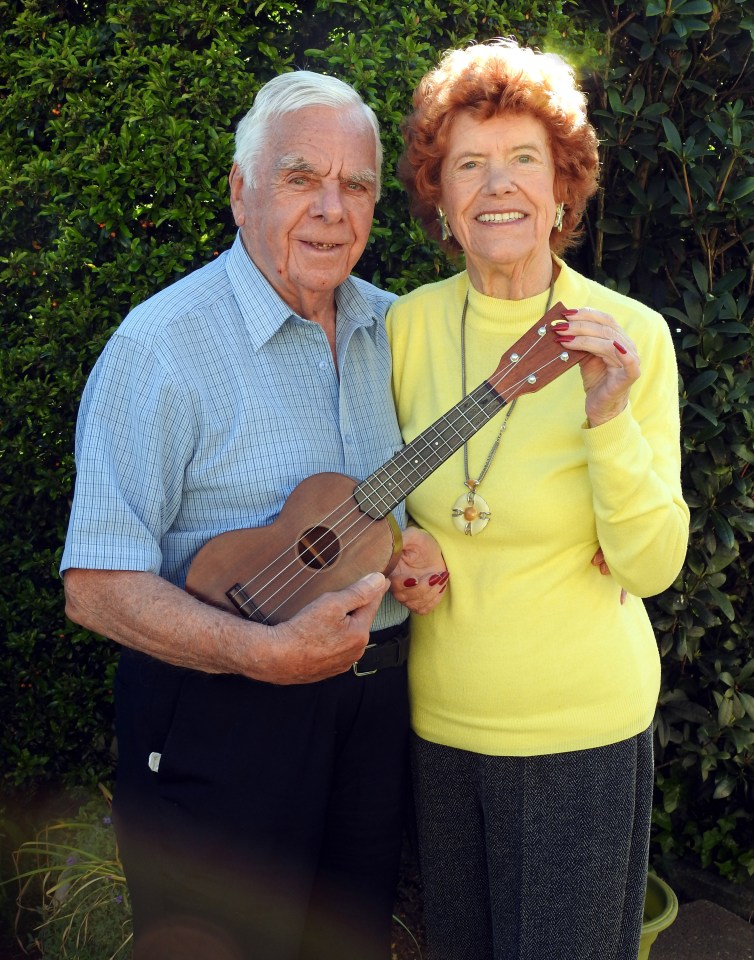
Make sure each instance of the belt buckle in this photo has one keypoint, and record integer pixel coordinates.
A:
(355, 666)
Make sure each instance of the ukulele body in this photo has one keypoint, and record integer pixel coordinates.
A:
(321, 541)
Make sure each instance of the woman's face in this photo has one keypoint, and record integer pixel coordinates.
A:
(497, 189)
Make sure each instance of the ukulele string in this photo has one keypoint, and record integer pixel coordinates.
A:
(306, 570)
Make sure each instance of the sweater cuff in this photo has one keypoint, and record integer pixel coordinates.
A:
(608, 438)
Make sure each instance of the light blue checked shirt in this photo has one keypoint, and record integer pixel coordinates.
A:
(209, 404)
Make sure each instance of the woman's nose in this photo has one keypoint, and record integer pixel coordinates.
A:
(499, 180)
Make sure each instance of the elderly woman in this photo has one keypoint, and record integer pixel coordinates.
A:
(533, 686)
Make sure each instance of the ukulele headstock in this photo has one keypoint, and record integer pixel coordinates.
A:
(535, 359)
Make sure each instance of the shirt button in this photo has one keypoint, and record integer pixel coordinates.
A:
(348, 439)
(323, 364)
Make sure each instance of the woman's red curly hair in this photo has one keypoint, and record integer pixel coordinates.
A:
(489, 80)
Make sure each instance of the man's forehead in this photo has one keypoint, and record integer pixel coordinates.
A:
(313, 135)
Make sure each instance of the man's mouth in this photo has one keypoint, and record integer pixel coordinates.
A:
(500, 217)
(322, 246)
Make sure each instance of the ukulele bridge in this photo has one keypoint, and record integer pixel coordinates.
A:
(244, 604)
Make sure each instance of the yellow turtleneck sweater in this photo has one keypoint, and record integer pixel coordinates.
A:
(531, 651)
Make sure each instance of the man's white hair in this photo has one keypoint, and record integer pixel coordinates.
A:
(287, 93)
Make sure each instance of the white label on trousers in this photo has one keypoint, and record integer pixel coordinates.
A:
(154, 761)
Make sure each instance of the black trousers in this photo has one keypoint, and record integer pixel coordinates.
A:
(271, 828)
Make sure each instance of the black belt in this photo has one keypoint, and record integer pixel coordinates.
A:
(386, 648)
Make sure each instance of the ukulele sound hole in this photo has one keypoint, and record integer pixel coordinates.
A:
(318, 547)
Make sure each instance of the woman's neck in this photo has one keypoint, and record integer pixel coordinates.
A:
(515, 281)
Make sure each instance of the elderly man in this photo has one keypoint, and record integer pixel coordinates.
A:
(260, 779)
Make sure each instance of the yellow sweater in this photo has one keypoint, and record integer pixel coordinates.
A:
(530, 651)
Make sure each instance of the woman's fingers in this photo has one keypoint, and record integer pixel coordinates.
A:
(612, 366)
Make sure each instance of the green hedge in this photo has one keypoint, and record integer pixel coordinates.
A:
(115, 141)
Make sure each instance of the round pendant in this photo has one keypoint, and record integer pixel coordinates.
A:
(470, 513)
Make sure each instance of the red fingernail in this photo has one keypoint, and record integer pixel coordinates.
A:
(410, 582)
(443, 588)
(435, 578)
(569, 313)
(564, 339)
(444, 577)
(619, 347)
(561, 325)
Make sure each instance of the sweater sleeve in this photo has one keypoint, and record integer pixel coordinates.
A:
(634, 465)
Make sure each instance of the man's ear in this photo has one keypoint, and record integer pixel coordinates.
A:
(237, 184)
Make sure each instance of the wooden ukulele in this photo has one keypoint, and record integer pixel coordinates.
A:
(334, 530)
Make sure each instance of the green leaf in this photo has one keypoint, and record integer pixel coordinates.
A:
(688, 7)
(700, 275)
(701, 382)
(723, 602)
(672, 135)
(747, 702)
(740, 188)
(724, 788)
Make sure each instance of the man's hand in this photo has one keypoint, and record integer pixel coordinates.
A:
(325, 638)
(420, 577)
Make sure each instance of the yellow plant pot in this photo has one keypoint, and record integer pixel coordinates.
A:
(660, 910)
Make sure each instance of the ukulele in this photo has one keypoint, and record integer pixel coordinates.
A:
(334, 530)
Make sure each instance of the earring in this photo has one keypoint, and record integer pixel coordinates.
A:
(559, 211)
(442, 219)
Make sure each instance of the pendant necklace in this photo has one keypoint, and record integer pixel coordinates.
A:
(471, 513)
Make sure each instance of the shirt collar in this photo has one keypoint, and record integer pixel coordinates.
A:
(265, 312)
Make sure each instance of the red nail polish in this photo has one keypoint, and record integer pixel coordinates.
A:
(619, 347)
(444, 577)
(569, 313)
(564, 339)
(561, 325)
(435, 578)
(443, 588)
(410, 582)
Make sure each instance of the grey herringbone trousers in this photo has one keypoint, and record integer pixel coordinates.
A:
(534, 858)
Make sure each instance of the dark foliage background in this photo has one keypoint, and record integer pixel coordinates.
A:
(116, 125)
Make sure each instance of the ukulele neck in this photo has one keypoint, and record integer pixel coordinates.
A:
(388, 486)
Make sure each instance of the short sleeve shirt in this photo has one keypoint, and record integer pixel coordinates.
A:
(210, 403)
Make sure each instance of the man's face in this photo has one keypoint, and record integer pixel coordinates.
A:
(307, 220)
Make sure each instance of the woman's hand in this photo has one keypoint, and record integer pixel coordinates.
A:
(598, 560)
(612, 366)
(420, 577)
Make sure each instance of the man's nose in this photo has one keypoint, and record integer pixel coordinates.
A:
(329, 202)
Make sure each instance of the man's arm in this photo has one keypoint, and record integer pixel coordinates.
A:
(146, 613)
